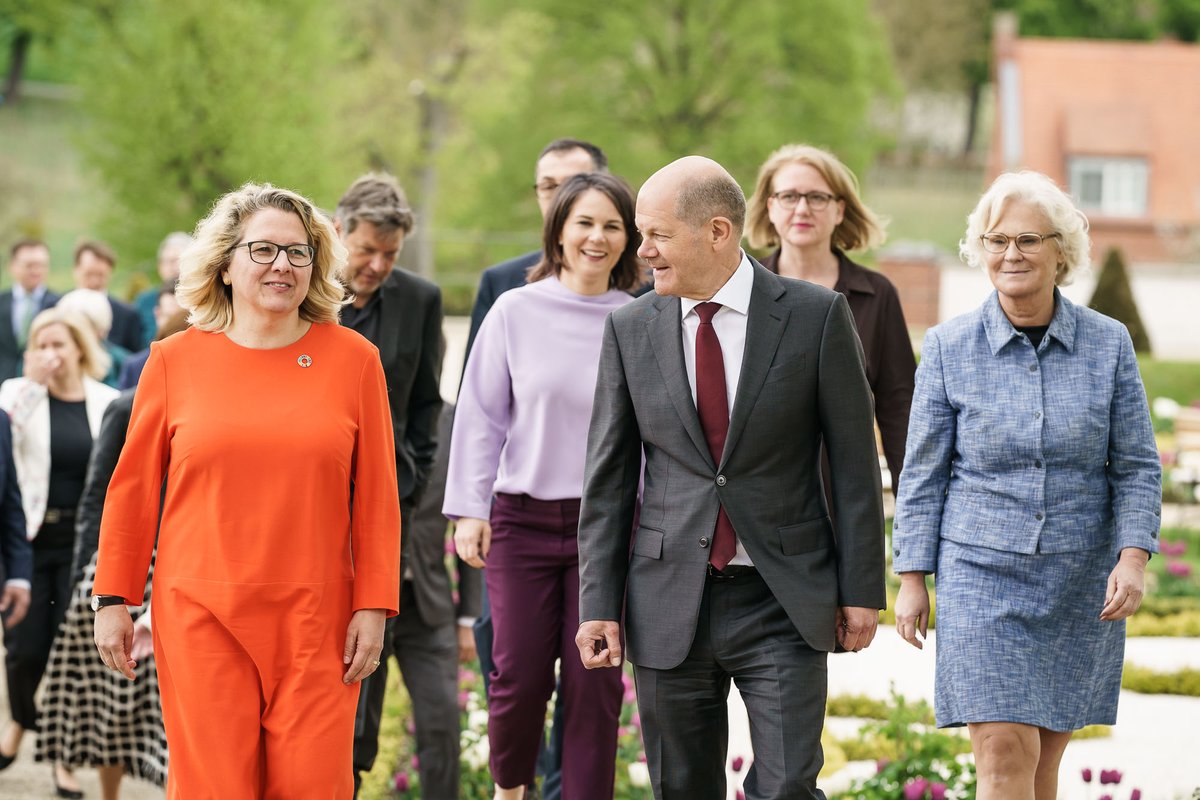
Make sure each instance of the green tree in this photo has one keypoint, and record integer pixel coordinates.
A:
(188, 99)
(1086, 19)
(654, 81)
(1113, 296)
(22, 23)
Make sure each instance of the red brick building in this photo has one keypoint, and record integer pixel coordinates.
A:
(1115, 123)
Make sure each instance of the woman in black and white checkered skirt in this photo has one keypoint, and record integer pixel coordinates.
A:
(90, 715)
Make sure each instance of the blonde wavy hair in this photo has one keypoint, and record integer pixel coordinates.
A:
(93, 360)
(201, 290)
(860, 228)
(1039, 191)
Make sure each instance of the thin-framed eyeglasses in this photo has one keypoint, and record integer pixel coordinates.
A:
(1027, 243)
(546, 188)
(298, 255)
(817, 201)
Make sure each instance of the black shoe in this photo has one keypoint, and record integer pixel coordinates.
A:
(6, 761)
(67, 794)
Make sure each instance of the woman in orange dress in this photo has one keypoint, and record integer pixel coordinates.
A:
(278, 556)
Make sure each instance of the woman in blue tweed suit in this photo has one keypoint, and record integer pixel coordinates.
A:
(1032, 488)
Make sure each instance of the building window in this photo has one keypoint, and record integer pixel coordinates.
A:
(1111, 186)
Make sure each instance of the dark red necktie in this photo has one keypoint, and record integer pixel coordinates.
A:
(712, 404)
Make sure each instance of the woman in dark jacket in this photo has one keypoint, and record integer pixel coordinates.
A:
(806, 205)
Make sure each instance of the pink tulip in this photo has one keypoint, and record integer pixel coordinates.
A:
(937, 791)
(1180, 569)
(915, 789)
(401, 781)
(416, 763)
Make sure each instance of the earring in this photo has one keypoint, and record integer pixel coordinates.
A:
(225, 278)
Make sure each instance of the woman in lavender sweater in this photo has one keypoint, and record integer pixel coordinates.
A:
(516, 476)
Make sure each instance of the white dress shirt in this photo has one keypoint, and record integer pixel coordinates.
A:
(730, 324)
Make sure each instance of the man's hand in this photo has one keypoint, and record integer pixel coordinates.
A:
(15, 603)
(114, 639)
(1126, 585)
(912, 608)
(599, 643)
(473, 540)
(466, 644)
(856, 627)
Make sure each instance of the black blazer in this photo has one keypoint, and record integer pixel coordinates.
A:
(126, 326)
(16, 553)
(424, 546)
(410, 347)
(12, 355)
(105, 452)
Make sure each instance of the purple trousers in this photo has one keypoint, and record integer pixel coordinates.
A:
(532, 579)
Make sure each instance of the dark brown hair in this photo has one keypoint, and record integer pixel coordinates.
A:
(627, 272)
(97, 248)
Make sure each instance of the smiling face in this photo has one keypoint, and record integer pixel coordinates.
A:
(802, 226)
(676, 252)
(1017, 275)
(268, 290)
(593, 237)
(372, 256)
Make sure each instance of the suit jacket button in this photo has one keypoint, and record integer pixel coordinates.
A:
(721, 480)
(704, 541)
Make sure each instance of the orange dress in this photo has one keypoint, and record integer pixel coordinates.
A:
(263, 555)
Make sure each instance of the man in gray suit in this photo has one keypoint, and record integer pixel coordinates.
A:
(727, 381)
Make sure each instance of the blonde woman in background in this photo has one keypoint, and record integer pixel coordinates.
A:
(55, 410)
(806, 206)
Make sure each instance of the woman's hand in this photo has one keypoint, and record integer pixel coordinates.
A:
(1126, 585)
(114, 639)
(473, 540)
(912, 608)
(143, 642)
(40, 365)
(364, 643)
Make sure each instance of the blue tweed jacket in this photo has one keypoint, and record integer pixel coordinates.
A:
(1027, 451)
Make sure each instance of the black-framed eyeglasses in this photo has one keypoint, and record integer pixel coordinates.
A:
(298, 255)
(1027, 243)
(817, 201)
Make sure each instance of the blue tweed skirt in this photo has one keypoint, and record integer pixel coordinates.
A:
(1019, 638)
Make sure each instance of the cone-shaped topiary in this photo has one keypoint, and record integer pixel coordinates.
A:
(1113, 297)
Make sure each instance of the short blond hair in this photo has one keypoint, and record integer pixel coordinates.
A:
(1042, 193)
(93, 360)
(860, 228)
(92, 305)
(201, 290)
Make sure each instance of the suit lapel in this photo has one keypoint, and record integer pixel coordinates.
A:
(667, 342)
(766, 321)
(7, 337)
(390, 312)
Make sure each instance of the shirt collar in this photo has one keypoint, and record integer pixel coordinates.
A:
(20, 293)
(734, 294)
(1000, 331)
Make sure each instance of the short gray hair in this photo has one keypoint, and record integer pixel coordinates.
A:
(1037, 190)
(707, 196)
(177, 239)
(376, 198)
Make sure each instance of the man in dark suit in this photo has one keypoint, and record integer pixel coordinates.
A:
(559, 161)
(401, 314)
(16, 553)
(727, 380)
(29, 265)
(94, 265)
